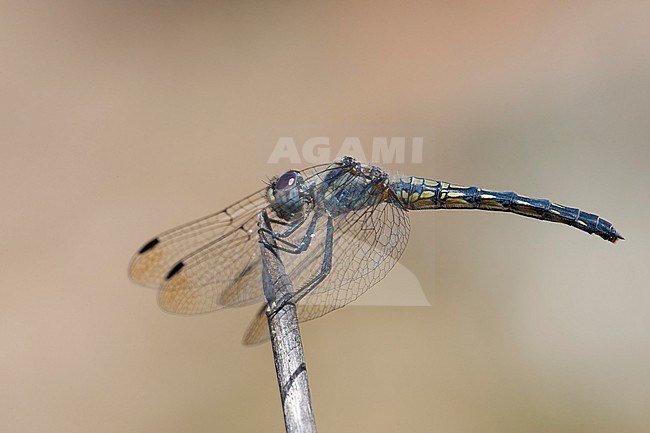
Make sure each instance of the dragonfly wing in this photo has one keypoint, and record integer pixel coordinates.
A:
(209, 263)
(258, 330)
(366, 246)
(214, 276)
(154, 261)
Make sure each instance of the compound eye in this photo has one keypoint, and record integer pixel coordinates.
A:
(287, 180)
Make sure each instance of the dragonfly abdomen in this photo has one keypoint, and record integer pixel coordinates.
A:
(417, 193)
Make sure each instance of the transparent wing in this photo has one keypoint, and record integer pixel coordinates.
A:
(153, 262)
(210, 263)
(367, 243)
(224, 273)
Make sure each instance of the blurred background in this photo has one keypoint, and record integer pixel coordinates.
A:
(121, 119)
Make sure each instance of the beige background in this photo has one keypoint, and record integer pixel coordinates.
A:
(121, 119)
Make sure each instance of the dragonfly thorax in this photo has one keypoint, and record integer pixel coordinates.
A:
(288, 195)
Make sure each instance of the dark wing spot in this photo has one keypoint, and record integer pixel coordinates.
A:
(149, 245)
(175, 270)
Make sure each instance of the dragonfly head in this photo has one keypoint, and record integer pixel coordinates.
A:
(287, 195)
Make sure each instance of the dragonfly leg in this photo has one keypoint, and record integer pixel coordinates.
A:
(289, 247)
(325, 269)
(291, 227)
(326, 266)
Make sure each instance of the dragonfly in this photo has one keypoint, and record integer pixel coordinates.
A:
(339, 229)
